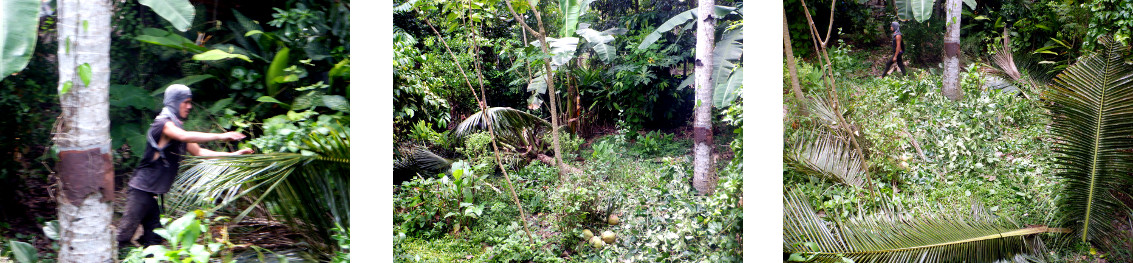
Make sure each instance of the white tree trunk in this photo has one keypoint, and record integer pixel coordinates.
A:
(951, 87)
(85, 168)
(704, 179)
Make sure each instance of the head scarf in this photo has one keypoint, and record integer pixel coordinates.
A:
(174, 95)
(896, 28)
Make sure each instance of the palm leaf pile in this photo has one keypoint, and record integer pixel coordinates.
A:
(884, 238)
(1092, 112)
(310, 190)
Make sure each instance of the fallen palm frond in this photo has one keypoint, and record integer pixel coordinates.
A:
(885, 238)
(1033, 75)
(1092, 120)
(513, 127)
(829, 156)
(309, 190)
(413, 160)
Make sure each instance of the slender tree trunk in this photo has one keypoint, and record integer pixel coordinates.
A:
(704, 179)
(951, 87)
(85, 169)
(791, 67)
(550, 77)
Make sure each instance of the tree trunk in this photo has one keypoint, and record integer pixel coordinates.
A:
(85, 169)
(791, 67)
(951, 87)
(704, 179)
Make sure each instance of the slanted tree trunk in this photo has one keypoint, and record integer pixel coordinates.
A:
(791, 67)
(951, 87)
(704, 179)
(85, 169)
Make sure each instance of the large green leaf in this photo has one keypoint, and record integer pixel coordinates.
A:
(217, 54)
(729, 48)
(177, 12)
(572, 10)
(537, 86)
(1090, 106)
(921, 10)
(598, 39)
(936, 237)
(169, 39)
(19, 20)
(562, 49)
(131, 96)
(275, 70)
(677, 20)
(728, 91)
(23, 252)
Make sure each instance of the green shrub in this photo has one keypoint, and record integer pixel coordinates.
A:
(656, 143)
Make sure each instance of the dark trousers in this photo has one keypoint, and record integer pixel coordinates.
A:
(900, 65)
(141, 208)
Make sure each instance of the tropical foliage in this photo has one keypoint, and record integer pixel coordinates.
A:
(309, 190)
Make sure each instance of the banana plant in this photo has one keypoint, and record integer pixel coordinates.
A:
(565, 48)
(19, 22)
(727, 76)
(921, 10)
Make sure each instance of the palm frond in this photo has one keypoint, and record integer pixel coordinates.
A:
(829, 156)
(309, 190)
(884, 238)
(511, 125)
(824, 113)
(412, 160)
(1023, 69)
(1093, 118)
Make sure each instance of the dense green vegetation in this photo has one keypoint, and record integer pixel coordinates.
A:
(277, 71)
(1030, 165)
(481, 182)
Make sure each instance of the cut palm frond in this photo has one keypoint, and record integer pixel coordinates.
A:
(512, 126)
(1092, 111)
(884, 238)
(829, 156)
(309, 190)
(413, 160)
(824, 112)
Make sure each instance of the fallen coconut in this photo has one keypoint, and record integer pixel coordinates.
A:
(586, 234)
(609, 236)
(612, 219)
(596, 242)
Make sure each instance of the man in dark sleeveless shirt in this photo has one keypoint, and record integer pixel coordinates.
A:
(898, 50)
(167, 144)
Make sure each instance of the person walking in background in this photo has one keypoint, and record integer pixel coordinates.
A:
(167, 144)
(898, 50)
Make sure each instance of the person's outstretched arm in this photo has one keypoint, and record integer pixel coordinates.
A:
(195, 149)
(173, 132)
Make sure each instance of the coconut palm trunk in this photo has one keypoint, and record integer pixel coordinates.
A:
(951, 87)
(85, 169)
(703, 179)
